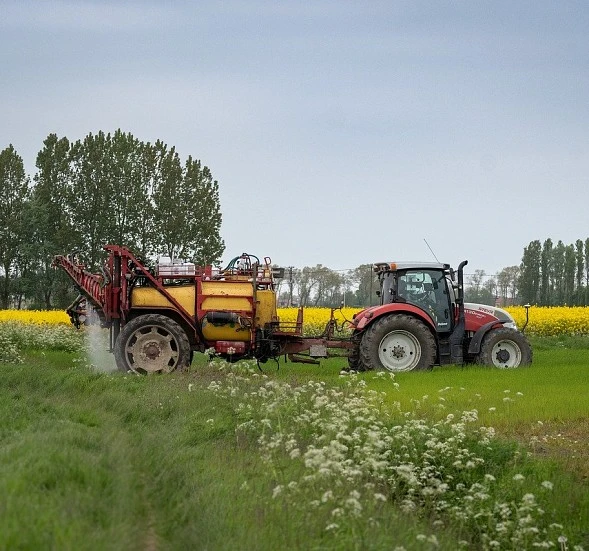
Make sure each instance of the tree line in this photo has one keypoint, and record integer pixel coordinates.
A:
(321, 286)
(106, 188)
(555, 274)
(549, 275)
(324, 287)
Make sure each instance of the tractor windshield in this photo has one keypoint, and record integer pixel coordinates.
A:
(424, 288)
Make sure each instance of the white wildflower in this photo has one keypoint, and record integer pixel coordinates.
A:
(433, 540)
(295, 453)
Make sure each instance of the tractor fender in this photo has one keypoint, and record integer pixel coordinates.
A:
(368, 316)
(475, 343)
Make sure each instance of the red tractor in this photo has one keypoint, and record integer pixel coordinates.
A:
(422, 321)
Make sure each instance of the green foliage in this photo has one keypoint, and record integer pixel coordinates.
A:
(14, 192)
(139, 195)
(367, 281)
(478, 292)
(106, 188)
(555, 275)
(190, 232)
(51, 337)
(48, 228)
(529, 279)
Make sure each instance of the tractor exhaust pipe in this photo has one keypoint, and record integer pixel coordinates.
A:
(457, 336)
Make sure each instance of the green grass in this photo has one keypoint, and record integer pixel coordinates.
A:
(99, 461)
(93, 460)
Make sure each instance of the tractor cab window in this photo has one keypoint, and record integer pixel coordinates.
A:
(427, 290)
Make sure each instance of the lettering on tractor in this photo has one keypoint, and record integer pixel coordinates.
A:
(158, 319)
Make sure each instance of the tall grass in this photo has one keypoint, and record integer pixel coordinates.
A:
(225, 457)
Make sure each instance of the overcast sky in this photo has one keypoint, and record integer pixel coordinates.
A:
(341, 132)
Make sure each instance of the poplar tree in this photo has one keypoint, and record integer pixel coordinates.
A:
(529, 277)
(48, 229)
(545, 267)
(557, 272)
(128, 193)
(580, 261)
(14, 194)
(568, 291)
(187, 215)
(87, 197)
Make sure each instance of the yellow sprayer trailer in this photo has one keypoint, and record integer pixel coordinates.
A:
(158, 318)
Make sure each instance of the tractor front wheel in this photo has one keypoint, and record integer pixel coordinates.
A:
(398, 343)
(152, 343)
(505, 348)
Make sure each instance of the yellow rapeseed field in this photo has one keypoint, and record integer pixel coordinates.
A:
(550, 321)
(36, 317)
(314, 319)
(544, 321)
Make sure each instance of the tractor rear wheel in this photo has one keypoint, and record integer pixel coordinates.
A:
(505, 348)
(398, 343)
(152, 343)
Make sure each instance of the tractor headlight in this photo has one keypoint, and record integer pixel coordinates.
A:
(505, 316)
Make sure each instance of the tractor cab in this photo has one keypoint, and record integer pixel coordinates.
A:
(428, 286)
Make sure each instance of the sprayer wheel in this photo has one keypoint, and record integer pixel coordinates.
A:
(152, 343)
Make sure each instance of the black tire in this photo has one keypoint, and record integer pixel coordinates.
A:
(505, 348)
(152, 343)
(398, 342)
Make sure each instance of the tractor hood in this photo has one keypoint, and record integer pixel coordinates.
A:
(478, 314)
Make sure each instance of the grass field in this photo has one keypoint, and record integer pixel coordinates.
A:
(300, 457)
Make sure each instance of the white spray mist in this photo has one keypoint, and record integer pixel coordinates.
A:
(97, 343)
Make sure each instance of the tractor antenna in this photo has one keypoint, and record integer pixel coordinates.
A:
(430, 249)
